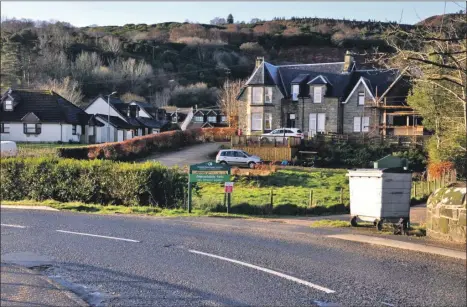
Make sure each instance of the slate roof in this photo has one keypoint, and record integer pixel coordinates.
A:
(152, 123)
(48, 106)
(340, 83)
(116, 121)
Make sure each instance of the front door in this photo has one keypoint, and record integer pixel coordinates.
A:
(317, 123)
(291, 120)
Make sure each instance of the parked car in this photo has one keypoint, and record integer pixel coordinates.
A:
(8, 149)
(282, 132)
(237, 157)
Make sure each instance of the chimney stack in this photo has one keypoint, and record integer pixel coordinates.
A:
(348, 61)
(259, 61)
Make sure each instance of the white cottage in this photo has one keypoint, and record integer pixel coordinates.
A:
(44, 116)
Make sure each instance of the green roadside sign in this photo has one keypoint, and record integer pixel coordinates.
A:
(208, 172)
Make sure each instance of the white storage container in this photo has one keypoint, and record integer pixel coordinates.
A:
(8, 149)
(380, 195)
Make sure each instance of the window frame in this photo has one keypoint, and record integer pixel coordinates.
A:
(268, 93)
(361, 121)
(73, 129)
(211, 120)
(315, 88)
(197, 117)
(258, 120)
(297, 87)
(3, 126)
(37, 129)
(267, 116)
(223, 118)
(258, 95)
(361, 94)
(8, 102)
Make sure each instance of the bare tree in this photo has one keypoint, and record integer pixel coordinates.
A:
(67, 88)
(111, 44)
(161, 98)
(129, 97)
(218, 21)
(227, 100)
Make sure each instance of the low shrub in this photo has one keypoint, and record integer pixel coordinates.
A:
(97, 181)
(142, 146)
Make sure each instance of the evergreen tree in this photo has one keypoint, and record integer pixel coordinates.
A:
(230, 19)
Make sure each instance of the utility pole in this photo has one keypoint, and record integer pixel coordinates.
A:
(228, 96)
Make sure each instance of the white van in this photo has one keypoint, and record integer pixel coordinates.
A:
(8, 149)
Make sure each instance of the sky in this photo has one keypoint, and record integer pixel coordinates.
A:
(123, 12)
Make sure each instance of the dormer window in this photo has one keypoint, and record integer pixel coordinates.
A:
(212, 119)
(8, 105)
(361, 98)
(295, 91)
(317, 94)
(199, 118)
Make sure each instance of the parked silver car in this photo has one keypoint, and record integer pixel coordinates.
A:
(237, 157)
(282, 132)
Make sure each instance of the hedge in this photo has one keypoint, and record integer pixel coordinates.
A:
(103, 182)
(144, 145)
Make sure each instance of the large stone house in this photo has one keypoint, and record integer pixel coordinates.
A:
(326, 98)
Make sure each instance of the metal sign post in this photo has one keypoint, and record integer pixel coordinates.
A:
(228, 189)
(207, 172)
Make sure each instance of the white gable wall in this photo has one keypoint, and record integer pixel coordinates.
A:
(99, 106)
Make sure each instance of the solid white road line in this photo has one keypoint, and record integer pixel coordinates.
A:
(288, 277)
(91, 235)
(11, 225)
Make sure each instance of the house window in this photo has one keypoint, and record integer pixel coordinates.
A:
(73, 129)
(8, 105)
(224, 119)
(295, 90)
(317, 123)
(361, 98)
(267, 121)
(317, 94)
(256, 121)
(4, 128)
(361, 124)
(212, 119)
(32, 128)
(199, 118)
(257, 95)
(268, 95)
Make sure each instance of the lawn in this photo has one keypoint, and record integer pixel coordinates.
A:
(290, 188)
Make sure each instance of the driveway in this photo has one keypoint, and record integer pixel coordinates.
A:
(186, 156)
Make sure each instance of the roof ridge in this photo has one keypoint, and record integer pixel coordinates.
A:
(310, 64)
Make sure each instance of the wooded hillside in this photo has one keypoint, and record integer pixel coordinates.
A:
(159, 60)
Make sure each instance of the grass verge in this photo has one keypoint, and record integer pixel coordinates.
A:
(111, 209)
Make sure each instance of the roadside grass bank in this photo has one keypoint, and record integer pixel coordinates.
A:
(283, 192)
(114, 209)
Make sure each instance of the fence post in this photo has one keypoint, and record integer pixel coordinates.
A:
(271, 194)
(342, 196)
(415, 190)
(310, 198)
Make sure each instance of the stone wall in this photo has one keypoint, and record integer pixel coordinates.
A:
(446, 214)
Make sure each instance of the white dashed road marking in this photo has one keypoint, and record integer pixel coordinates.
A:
(14, 226)
(288, 277)
(98, 236)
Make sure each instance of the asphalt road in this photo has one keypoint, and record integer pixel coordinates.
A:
(134, 261)
(186, 156)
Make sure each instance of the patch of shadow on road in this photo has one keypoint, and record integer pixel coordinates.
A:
(132, 290)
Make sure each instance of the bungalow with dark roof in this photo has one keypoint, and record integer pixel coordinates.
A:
(44, 116)
(327, 98)
(127, 120)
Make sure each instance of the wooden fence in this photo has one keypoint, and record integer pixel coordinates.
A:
(424, 187)
(261, 141)
(400, 140)
(270, 153)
